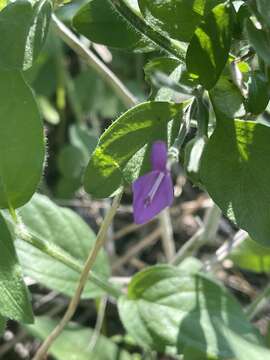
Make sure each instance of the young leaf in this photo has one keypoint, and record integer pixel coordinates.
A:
(137, 127)
(251, 256)
(21, 141)
(64, 228)
(97, 18)
(258, 93)
(24, 24)
(174, 18)
(14, 300)
(74, 342)
(234, 172)
(209, 48)
(168, 307)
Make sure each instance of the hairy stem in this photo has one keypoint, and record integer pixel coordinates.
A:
(100, 240)
(172, 47)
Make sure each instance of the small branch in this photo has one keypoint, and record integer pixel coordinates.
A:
(259, 302)
(100, 240)
(99, 323)
(137, 248)
(167, 234)
(226, 249)
(94, 62)
(204, 235)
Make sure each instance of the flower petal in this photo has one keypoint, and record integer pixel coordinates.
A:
(143, 210)
(159, 156)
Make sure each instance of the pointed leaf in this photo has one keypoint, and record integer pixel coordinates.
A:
(138, 127)
(22, 147)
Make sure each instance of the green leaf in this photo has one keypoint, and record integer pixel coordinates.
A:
(168, 307)
(193, 154)
(64, 228)
(14, 300)
(209, 48)
(175, 18)
(264, 10)
(25, 24)
(259, 40)
(227, 98)
(48, 111)
(97, 18)
(74, 342)
(22, 142)
(137, 127)
(175, 71)
(258, 93)
(234, 172)
(251, 256)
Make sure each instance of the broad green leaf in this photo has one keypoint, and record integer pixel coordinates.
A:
(66, 188)
(209, 48)
(175, 18)
(25, 24)
(168, 307)
(2, 325)
(234, 171)
(249, 255)
(227, 98)
(259, 39)
(14, 300)
(64, 228)
(258, 93)
(97, 18)
(264, 10)
(122, 140)
(22, 147)
(3, 3)
(74, 342)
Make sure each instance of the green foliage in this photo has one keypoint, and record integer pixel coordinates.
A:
(234, 172)
(96, 19)
(21, 139)
(24, 23)
(259, 39)
(14, 300)
(258, 93)
(137, 127)
(64, 228)
(167, 307)
(74, 342)
(209, 48)
(176, 19)
(249, 255)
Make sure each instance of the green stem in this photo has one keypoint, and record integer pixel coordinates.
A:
(168, 45)
(258, 303)
(63, 257)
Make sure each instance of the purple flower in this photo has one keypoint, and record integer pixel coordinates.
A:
(154, 191)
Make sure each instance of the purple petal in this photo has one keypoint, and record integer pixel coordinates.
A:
(143, 209)
(159, 156)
